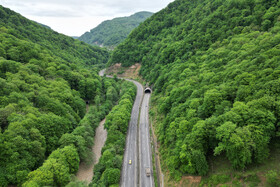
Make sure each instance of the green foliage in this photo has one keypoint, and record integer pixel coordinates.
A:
(214, 180)
(273, 178)
(74, 146)
(253, 180)
(107, 170)
(111, 176)
(214, 67)
(56, 169)
(77, 184)
(65, 47)
(112, 32)
(45, 78)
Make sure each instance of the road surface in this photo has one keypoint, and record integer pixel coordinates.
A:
(130, 176)
(145, 157)
(130, 172)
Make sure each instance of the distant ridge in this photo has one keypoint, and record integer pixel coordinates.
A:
(110, 33)
(44, 25)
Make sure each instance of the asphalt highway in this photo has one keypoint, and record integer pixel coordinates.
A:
(137, 143)
(130, 171)
(145, 157)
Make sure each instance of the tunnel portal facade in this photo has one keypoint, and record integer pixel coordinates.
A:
(148, 90)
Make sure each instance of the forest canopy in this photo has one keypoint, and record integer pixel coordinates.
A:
(214, 66)
(110, 33)
(46, 78)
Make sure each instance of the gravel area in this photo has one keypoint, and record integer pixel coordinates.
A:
(85, 172)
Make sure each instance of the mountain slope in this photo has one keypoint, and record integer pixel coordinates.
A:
(45, 79)
(214, 66)
(60, 45)
(110, 33)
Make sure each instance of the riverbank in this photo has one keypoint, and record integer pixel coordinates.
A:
(85, 172)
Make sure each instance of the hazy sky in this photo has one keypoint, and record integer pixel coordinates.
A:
(75, 17)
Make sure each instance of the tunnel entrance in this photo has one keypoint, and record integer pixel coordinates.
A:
(148, 90)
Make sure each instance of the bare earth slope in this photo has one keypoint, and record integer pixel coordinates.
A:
(85, 172)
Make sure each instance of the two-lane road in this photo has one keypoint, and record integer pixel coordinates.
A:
(130, 173)
(144, 144)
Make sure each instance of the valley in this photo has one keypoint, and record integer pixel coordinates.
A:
(211, 118)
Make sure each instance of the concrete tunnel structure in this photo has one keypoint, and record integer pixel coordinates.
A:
(148, 90)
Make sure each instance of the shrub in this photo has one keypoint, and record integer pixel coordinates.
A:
(273, 178)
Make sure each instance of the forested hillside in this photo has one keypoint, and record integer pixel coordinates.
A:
(58, 168)
(214, 67)
(60, 45)
(108, 170)
(43, 88)
(110, 33)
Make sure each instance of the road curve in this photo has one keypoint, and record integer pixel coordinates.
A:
(130, 174)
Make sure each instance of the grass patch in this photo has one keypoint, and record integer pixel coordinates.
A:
(121, 72)
(252, 179)
(273, 178)
(214, 180)
(254, 175)
(154, 167)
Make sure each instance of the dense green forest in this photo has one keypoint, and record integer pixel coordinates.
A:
(108, 171)
(67, 48)
(214, 67)
(76, 146)
(110, 33)
(46, 79)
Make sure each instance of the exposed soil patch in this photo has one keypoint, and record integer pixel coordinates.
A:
(131, 72)
(262, 178)
(192, 179)
(85, 172)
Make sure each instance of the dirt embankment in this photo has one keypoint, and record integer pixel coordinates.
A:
(85, 172)
(131, 72)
